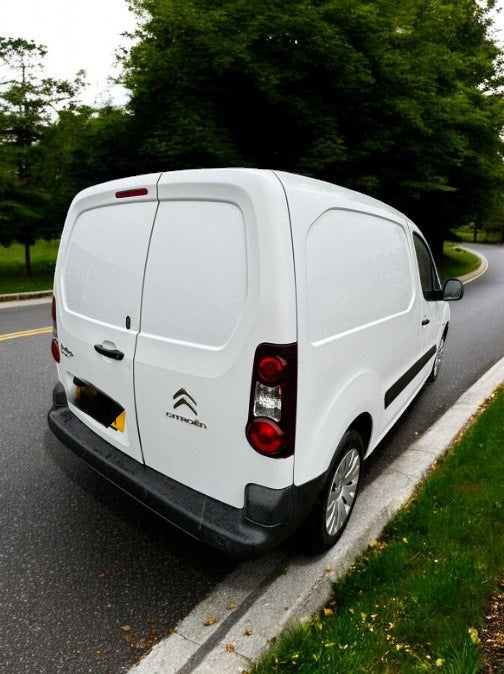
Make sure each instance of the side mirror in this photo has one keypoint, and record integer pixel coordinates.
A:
(453, 289)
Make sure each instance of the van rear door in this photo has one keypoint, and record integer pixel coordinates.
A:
(219, 281)
(98, 293)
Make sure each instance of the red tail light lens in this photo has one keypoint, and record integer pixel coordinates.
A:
(55, 350)
(271, 369)
(271, 424)
(266, 436)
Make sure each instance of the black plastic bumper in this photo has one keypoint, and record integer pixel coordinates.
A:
(269, 517)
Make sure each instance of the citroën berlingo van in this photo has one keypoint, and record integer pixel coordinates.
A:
(233, 343)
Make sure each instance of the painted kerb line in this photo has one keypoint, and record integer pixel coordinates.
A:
(26, 333)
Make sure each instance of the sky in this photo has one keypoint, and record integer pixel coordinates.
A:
(79, 34)
(84, 34)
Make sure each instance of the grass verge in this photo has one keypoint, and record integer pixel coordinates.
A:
(415, 601)
(456, 262)
(12, 278)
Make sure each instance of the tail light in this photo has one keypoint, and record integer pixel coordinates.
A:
(271, 426)
(55, 350)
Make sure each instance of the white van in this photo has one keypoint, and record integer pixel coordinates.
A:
(233, 343)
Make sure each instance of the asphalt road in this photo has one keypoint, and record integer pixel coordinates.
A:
(87, 576)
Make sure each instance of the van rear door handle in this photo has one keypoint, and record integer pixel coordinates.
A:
(109, 353)
(425, 321)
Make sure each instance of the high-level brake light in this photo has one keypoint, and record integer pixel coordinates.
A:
(136, 192)
(271, 424)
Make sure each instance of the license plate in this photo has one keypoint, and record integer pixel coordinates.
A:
(99, 406)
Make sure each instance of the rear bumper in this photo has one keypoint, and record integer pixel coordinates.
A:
(269, 517)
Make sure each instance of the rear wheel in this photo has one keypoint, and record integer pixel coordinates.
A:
(331, 511)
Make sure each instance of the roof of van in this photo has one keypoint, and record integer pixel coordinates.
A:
(293, 182)
(302, 183)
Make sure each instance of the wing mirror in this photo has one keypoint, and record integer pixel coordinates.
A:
(453, 290)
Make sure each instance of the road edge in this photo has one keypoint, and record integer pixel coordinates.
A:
(261, 598)
(477, 273)
(18, 297)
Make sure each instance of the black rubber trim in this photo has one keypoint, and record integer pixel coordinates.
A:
(397, 388)
(269, 517)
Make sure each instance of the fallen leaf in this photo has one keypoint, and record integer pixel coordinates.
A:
(328, 611)
(230, 648)
(230, 606)
(211, 620)
(248, 633)
(473, 633)
(125, 628)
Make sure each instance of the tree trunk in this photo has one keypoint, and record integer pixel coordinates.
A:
(28, 266)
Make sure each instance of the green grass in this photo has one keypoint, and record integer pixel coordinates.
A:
(456, 262)
(12, 278)
(415, 601)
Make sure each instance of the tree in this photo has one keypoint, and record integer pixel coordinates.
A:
(82, 147)
(397, 99)
(28, 105)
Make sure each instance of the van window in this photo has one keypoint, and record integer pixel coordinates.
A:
(429, 278)
(196, 277)
(358, 272)
(105, 261)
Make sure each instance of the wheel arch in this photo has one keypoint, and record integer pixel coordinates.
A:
(363, 424)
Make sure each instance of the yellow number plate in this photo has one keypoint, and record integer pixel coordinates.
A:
(120, 422)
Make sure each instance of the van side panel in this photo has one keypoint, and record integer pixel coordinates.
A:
(219, 281)
(358, 316)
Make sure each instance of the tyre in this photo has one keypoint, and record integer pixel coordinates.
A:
(333, 506)
(437, 361)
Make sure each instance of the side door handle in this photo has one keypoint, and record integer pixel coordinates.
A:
(109, 353)
(425, 321)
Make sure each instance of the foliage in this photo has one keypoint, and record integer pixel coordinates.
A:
(395, 99)
(81, 148)
(28, 104)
